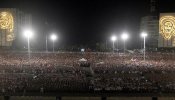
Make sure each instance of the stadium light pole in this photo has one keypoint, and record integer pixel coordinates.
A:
(124, 36)
(113, 39)
(53, 38)
(144, 35)
(46, 44)
(28, 34)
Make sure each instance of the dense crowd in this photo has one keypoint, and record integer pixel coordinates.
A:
(98, 72)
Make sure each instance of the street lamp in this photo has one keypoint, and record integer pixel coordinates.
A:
(113, 39)
(124, 36)
(46, 44)
(28, 34)
(144, 35)
(53, 38)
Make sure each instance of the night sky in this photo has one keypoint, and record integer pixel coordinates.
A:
(88, 21)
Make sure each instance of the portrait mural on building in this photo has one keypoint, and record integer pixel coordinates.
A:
(167, 26)
(7, 24)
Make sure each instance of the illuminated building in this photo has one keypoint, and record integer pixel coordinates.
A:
(167, 30)
(150, 24)
(161, 30)
(11, 22)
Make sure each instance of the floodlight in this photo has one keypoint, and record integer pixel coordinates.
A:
(53, 37)
(125, 36)
(144, 34)
(113, 38)
(28, 33)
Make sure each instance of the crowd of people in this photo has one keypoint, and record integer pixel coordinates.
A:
(99, 72)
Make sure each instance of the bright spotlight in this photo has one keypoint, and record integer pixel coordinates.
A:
(53, 37)
(124, 36)
(113, 38)
(144, 34)
(28, 33)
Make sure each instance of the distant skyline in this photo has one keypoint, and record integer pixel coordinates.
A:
(88, 21)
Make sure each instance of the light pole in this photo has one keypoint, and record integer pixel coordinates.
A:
(53, 38)
(113, 39)
(124, 36)
(46, 44)
(28, 34)
(144, 35)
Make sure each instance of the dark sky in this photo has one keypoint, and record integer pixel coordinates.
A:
(88, 21)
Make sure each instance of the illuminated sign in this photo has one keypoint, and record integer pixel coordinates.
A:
(167, 26)
(7, 23)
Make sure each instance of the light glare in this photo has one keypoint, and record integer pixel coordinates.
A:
(28, 33)
(53, 37)
(113, 38)
(124, 36)
(144, 34)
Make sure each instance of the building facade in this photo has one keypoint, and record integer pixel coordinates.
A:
(12, 21)
(150, 25)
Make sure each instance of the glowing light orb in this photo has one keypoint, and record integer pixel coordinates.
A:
(53, 37)
(113, 38)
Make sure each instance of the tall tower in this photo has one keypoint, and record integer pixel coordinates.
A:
(153, 6)
(150, 24)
